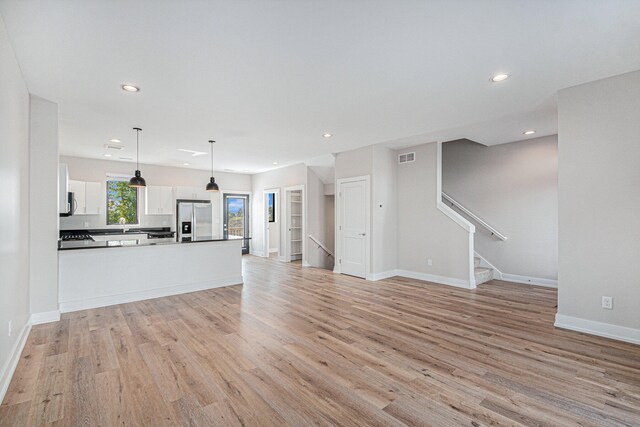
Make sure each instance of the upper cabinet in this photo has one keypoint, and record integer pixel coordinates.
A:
(159, 200)
(192, 193)
(86, 197)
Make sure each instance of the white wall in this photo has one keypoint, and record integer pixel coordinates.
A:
(425, 232)
(94, 170)
(353, 163)
(14, 215)
(384, 210)
(278, 178)
(514, 188)
(330, 223)
(599, 203)
(43, 199)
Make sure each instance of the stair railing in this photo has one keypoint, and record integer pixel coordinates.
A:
(473, 216)
(321, 246)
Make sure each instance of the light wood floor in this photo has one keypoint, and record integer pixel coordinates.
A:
(299, 346)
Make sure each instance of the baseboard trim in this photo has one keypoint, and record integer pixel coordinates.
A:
(258, 253)
(527, 280)
(45, 317)
(607, 330)
(384, 275)
(104, 301)
(272, 250)
(443, 280)
(12, 363)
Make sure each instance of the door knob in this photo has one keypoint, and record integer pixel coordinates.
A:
(362, 234)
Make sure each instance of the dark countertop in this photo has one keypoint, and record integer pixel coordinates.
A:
(88, 244)
(114, 230)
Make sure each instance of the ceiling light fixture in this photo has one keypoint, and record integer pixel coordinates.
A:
(130, 88)
(107, 155)
(117, 141)
(326, 135)
(212, 186)
(499, 78)
(137, 181)
(529, 132)
(275, 163)
(185, 164)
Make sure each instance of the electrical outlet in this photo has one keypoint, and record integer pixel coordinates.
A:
(10, 324)
(429, 262)
(86, 224)
(607, 302)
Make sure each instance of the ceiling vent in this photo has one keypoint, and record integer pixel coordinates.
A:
(407, 158)
(114, 146)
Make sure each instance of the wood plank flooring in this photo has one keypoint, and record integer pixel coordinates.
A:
(301, 346)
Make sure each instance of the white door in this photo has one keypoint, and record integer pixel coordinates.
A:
(354, 205)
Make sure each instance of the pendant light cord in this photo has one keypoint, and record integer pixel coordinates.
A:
(137, 149)
(212, 142)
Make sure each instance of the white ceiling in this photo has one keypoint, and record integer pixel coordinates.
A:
(267, 78)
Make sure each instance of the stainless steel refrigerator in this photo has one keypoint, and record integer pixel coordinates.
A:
(194, 220)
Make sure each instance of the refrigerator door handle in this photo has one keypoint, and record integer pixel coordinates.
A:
(194, 225)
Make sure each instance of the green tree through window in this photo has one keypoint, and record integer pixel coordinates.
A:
(122, 202)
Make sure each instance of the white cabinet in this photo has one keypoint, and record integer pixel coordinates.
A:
(86, 197)
(159, 200)
(63, 189)
(192, 193)
(93, 198)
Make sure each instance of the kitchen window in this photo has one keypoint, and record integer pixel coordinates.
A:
(122, 203)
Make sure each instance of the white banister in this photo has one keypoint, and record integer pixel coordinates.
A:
(320, 245)
(473, 216)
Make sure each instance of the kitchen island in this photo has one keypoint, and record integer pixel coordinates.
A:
(97, 274)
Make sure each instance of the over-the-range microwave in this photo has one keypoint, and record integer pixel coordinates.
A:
(70, 205)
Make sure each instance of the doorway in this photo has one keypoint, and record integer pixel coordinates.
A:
(236, 218)
(353, 219)
(294, 224)
(271, 240)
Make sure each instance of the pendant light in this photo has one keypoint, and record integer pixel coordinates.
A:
(212, 186)
(137, 181)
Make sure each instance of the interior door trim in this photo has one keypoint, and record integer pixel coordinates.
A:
(338, 222)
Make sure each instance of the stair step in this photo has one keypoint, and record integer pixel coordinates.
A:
(476, 261)
(483, 274)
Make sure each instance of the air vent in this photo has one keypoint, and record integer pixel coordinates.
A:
(407, 158)
(114, 146)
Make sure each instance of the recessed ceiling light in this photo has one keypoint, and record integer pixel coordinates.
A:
(130, 88)
(114, 147)
(529, 132)
(186, 164)
(499, 78)
(326, 135)
(117, 141)
(275, 163)
(108, 155)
